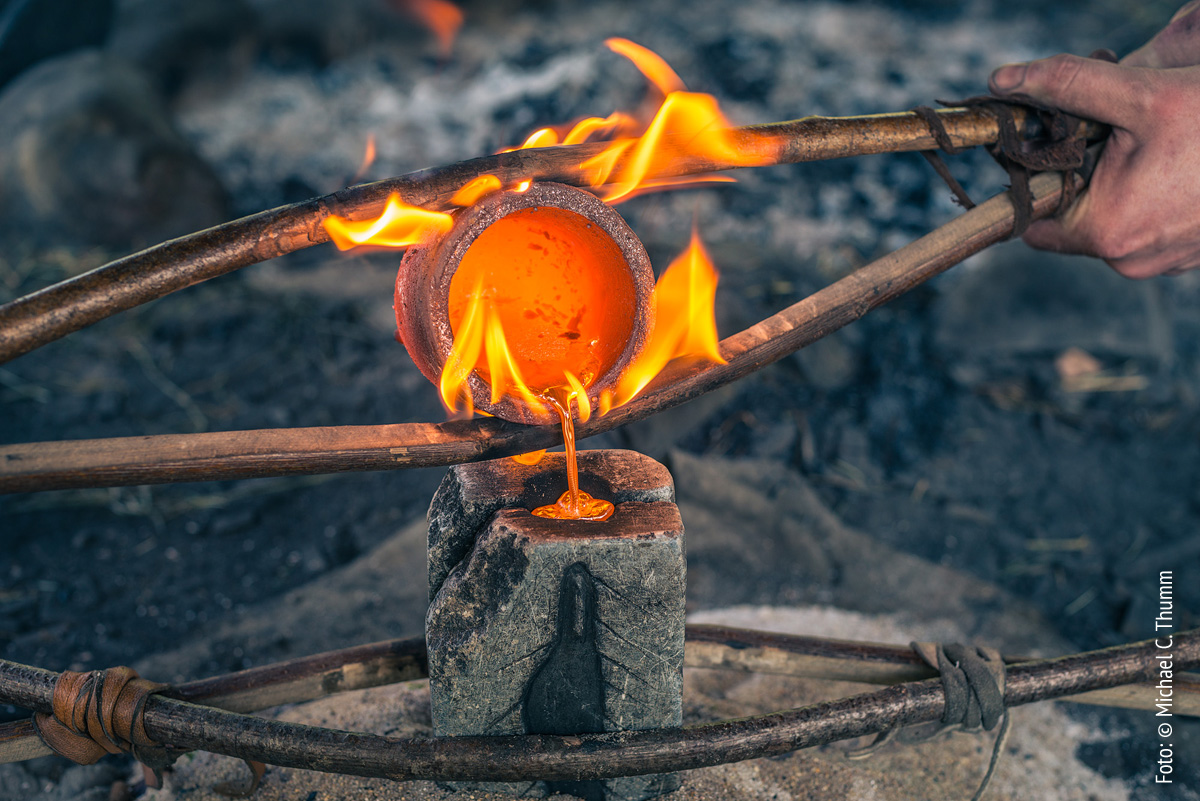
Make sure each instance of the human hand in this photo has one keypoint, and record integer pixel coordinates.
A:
(1141, 209)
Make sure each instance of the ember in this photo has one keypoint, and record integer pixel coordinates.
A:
(441, 17)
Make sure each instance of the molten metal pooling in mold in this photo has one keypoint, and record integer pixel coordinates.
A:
(574, 504)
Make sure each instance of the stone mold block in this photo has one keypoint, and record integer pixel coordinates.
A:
(557, 627)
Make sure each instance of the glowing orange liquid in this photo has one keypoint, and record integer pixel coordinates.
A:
(574, 504)
(560, 288)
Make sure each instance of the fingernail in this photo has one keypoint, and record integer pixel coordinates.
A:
(1008, 77)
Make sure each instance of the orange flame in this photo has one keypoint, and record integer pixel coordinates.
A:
(576, 134)
(474, 189)
(531, 458)
(399, 226)
(684, 322)
(441, 17)
(481, 346)
(367, 160)
(651, 64)
(687, 125)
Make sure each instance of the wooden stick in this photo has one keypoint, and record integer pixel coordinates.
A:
(32, 321)
(292, 682)
(32, 467)
(723, 648)
(191, 727)
(710, 647)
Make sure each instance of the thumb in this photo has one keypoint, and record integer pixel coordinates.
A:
(1085, 87)
(1177, 45)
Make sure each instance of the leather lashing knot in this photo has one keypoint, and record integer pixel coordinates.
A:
(973, 680)
(101, 712)
(1062, 149)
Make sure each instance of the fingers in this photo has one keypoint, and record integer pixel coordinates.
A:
(1056, 236)
(1063, 234)
(1091, 88)
(1188, 8)
(1177, 45)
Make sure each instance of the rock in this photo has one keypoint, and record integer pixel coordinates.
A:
(178, 41)
(33, 30)
(92, 158)
(553, 626)
(759, 534)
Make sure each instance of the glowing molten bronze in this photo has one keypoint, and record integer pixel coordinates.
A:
(574, 504)
(529, 296)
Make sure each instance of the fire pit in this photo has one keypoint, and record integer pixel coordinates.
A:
(558, 597)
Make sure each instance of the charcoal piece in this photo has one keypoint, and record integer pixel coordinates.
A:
(559, 627)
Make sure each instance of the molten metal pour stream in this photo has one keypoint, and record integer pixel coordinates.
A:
(574, 504)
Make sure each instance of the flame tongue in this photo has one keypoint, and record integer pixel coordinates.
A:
(399, 226)
(649, 63)
(687, 126)
(685, 322)
(574, 504)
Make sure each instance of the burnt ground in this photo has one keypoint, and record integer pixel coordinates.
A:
(939, 425)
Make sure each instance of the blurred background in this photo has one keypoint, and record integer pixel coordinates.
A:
(951, 428)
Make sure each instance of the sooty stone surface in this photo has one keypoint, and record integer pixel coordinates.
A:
(472, 493)
(559, 627)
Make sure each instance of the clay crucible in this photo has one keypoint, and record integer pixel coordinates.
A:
(570, 283)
